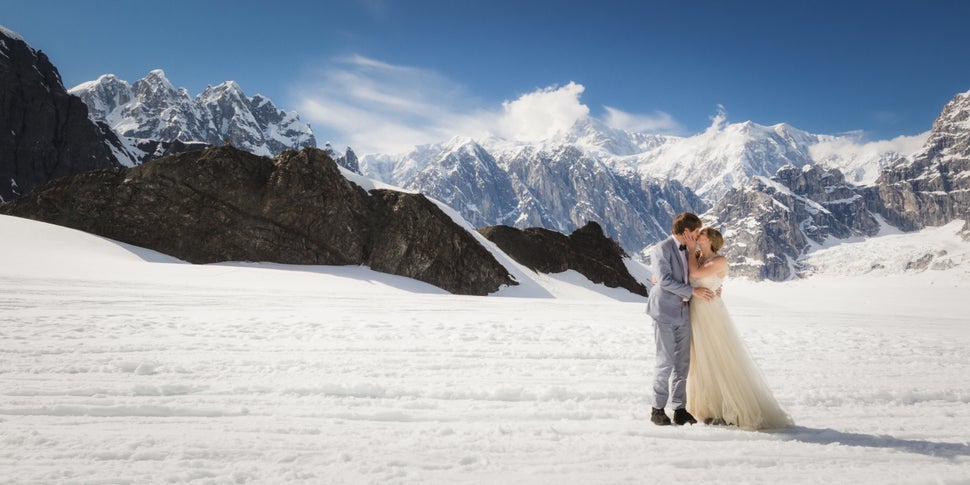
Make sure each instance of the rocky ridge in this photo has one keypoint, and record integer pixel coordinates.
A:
(224, 204)
(934, 188)
(587, 251)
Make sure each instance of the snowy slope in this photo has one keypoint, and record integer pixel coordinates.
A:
(121, 365)
(931, 250)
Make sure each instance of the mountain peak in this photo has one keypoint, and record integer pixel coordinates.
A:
(157, 76)
(459, 141)
(229, 87)
(11, 34)
(155, 84)
(154, 109)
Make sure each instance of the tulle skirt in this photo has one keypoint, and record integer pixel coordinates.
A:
(724, 383)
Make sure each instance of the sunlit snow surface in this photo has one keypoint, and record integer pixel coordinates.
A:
(121, 365)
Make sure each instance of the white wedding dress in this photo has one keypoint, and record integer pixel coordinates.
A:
(724, 384)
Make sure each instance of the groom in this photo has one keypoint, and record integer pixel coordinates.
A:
(668, 304)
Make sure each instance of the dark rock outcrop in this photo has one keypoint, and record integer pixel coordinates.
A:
(155, 149)
(45, 132)
(587, 251)
(224, 204)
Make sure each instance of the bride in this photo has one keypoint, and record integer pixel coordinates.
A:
(724, 385)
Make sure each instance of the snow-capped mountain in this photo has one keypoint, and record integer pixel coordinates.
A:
(631, 183)
(557, 185)
(776, 223)
(727, 156)
(153, 109)
(778, 193)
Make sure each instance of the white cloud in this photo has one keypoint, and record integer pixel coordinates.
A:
(657, 123)
(852, 146)
(718, 120)
(376, 107)
(540, 114)
(862, 161)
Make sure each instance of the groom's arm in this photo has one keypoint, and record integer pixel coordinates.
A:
(666, 279)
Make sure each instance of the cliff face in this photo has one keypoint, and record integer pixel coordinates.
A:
(934, 188)
(224, 204)
(45, 133)
(770, 223)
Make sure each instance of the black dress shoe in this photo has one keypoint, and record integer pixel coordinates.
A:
(715, 422)
(659, 417)
(681, 416)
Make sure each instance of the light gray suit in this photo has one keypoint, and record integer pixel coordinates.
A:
(671, 323)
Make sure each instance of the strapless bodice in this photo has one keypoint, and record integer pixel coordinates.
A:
(710, 281)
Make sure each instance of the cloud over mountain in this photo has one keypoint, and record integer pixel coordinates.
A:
(378, 107)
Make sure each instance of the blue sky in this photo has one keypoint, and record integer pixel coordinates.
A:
(410, 72)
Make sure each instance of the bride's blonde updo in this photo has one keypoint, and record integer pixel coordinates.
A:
(717, 240)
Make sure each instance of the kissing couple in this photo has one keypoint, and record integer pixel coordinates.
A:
(703, 370)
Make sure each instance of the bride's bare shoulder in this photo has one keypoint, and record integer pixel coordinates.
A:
(719, 261)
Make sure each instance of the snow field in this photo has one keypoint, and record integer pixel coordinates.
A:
(121, 366)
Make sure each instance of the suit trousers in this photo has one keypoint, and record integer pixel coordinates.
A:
(673, 362)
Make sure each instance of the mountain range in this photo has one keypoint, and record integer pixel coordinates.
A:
(152, 108)
(776, 192)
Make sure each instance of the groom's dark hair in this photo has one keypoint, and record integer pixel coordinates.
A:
(686, 222)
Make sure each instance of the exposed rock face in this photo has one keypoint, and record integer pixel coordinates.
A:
(348, 160)
(587, 250)
(45, 133)
(770, 223)
(935, 188)
(558, 187)
(155, 149)
(224, 204)
(563, 187)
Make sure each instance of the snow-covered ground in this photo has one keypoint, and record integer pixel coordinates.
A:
(121, 365)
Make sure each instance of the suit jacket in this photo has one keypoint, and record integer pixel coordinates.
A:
(664, 303)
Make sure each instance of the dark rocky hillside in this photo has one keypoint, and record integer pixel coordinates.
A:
(45, 132)
(224, 204)
(587, 251)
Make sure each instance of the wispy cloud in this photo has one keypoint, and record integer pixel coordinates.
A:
(377, 107)
(658, 122)
(373, 106)
(851, 146)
